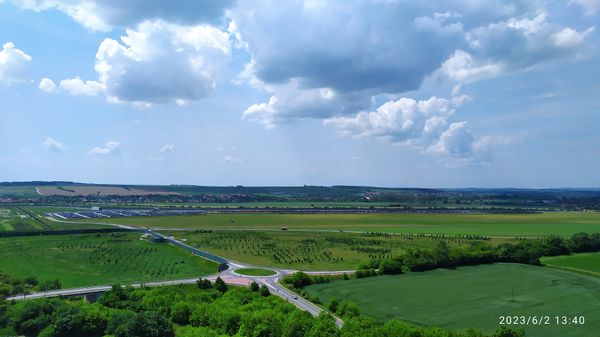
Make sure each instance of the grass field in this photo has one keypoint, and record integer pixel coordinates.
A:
(558, 223)
(255, 272)
(475, 297)
(18, 191)
(588, 263)
(307, 250)
(81, 260)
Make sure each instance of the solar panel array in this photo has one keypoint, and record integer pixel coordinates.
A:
(120, 213)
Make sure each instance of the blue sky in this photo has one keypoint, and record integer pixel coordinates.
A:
(367, 92)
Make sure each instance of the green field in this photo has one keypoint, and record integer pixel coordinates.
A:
(475, 297)
(255, 272)
(307, 250)
(82, 260)
(588, 263)
(18, 191)
(558, 223)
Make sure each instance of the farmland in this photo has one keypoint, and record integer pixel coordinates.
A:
(539, 224)
(306, 250)
(74, 190)
(588, 263)
(475, 297)
(81, 260)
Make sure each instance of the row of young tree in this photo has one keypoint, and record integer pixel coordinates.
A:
(10, 286)
(209, 310)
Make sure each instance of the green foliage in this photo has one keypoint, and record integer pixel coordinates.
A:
(254, 286)
(508, 332)
(264, 291)
(220, 285)
(204, 284)
(240, 312)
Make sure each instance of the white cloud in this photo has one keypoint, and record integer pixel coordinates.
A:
(404, 121)
(462, 67)
(52, 144)
(568, 37)
(456, 140)
(110, 147)
(167, 148)
(47, 85)
(76, 86)
(102, 15)
(158, 62)
(14, 65)
(590, 7)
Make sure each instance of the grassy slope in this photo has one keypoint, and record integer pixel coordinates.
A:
(307, 250)
(80, 260)
(475, 297)
(564, 223)
(586, 262)
(255, 272)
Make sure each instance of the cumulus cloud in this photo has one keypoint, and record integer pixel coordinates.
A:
(405, 121)
(77, 86)
(456, 140)
(52, 144)
(14, 64)
(568, 37)
(158, 62)
(102, 15)
(511, 45)
(110, 147)
(344, 46)
(47, 85)
(590, 7)
(358, 50)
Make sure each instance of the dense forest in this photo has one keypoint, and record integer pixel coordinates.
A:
(204, 311)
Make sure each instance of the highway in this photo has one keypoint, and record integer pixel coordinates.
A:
(228, 275)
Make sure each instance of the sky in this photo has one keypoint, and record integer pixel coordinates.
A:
(398, 93)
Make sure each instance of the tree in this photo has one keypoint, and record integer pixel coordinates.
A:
(298, 280)
(324, 326)
(204, 284)
(49, 285)
(180, 313)
(391, 267)
(508, 332)
(333, 305)
(254, 286)
(264, 291)
(220, 285)
(146, 324)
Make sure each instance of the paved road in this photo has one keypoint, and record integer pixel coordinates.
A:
(229, 276)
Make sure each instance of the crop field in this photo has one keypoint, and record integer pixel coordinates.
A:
(511, 225)
(588, 263)
(475, 297)
(81, 260)
(96, 190)
(18, 191)
(306, 250)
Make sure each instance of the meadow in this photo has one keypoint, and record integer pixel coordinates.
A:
(509, 225)
(32, 219)
(308, 250)
(475, 297)
(97, 259)
(588, 263)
